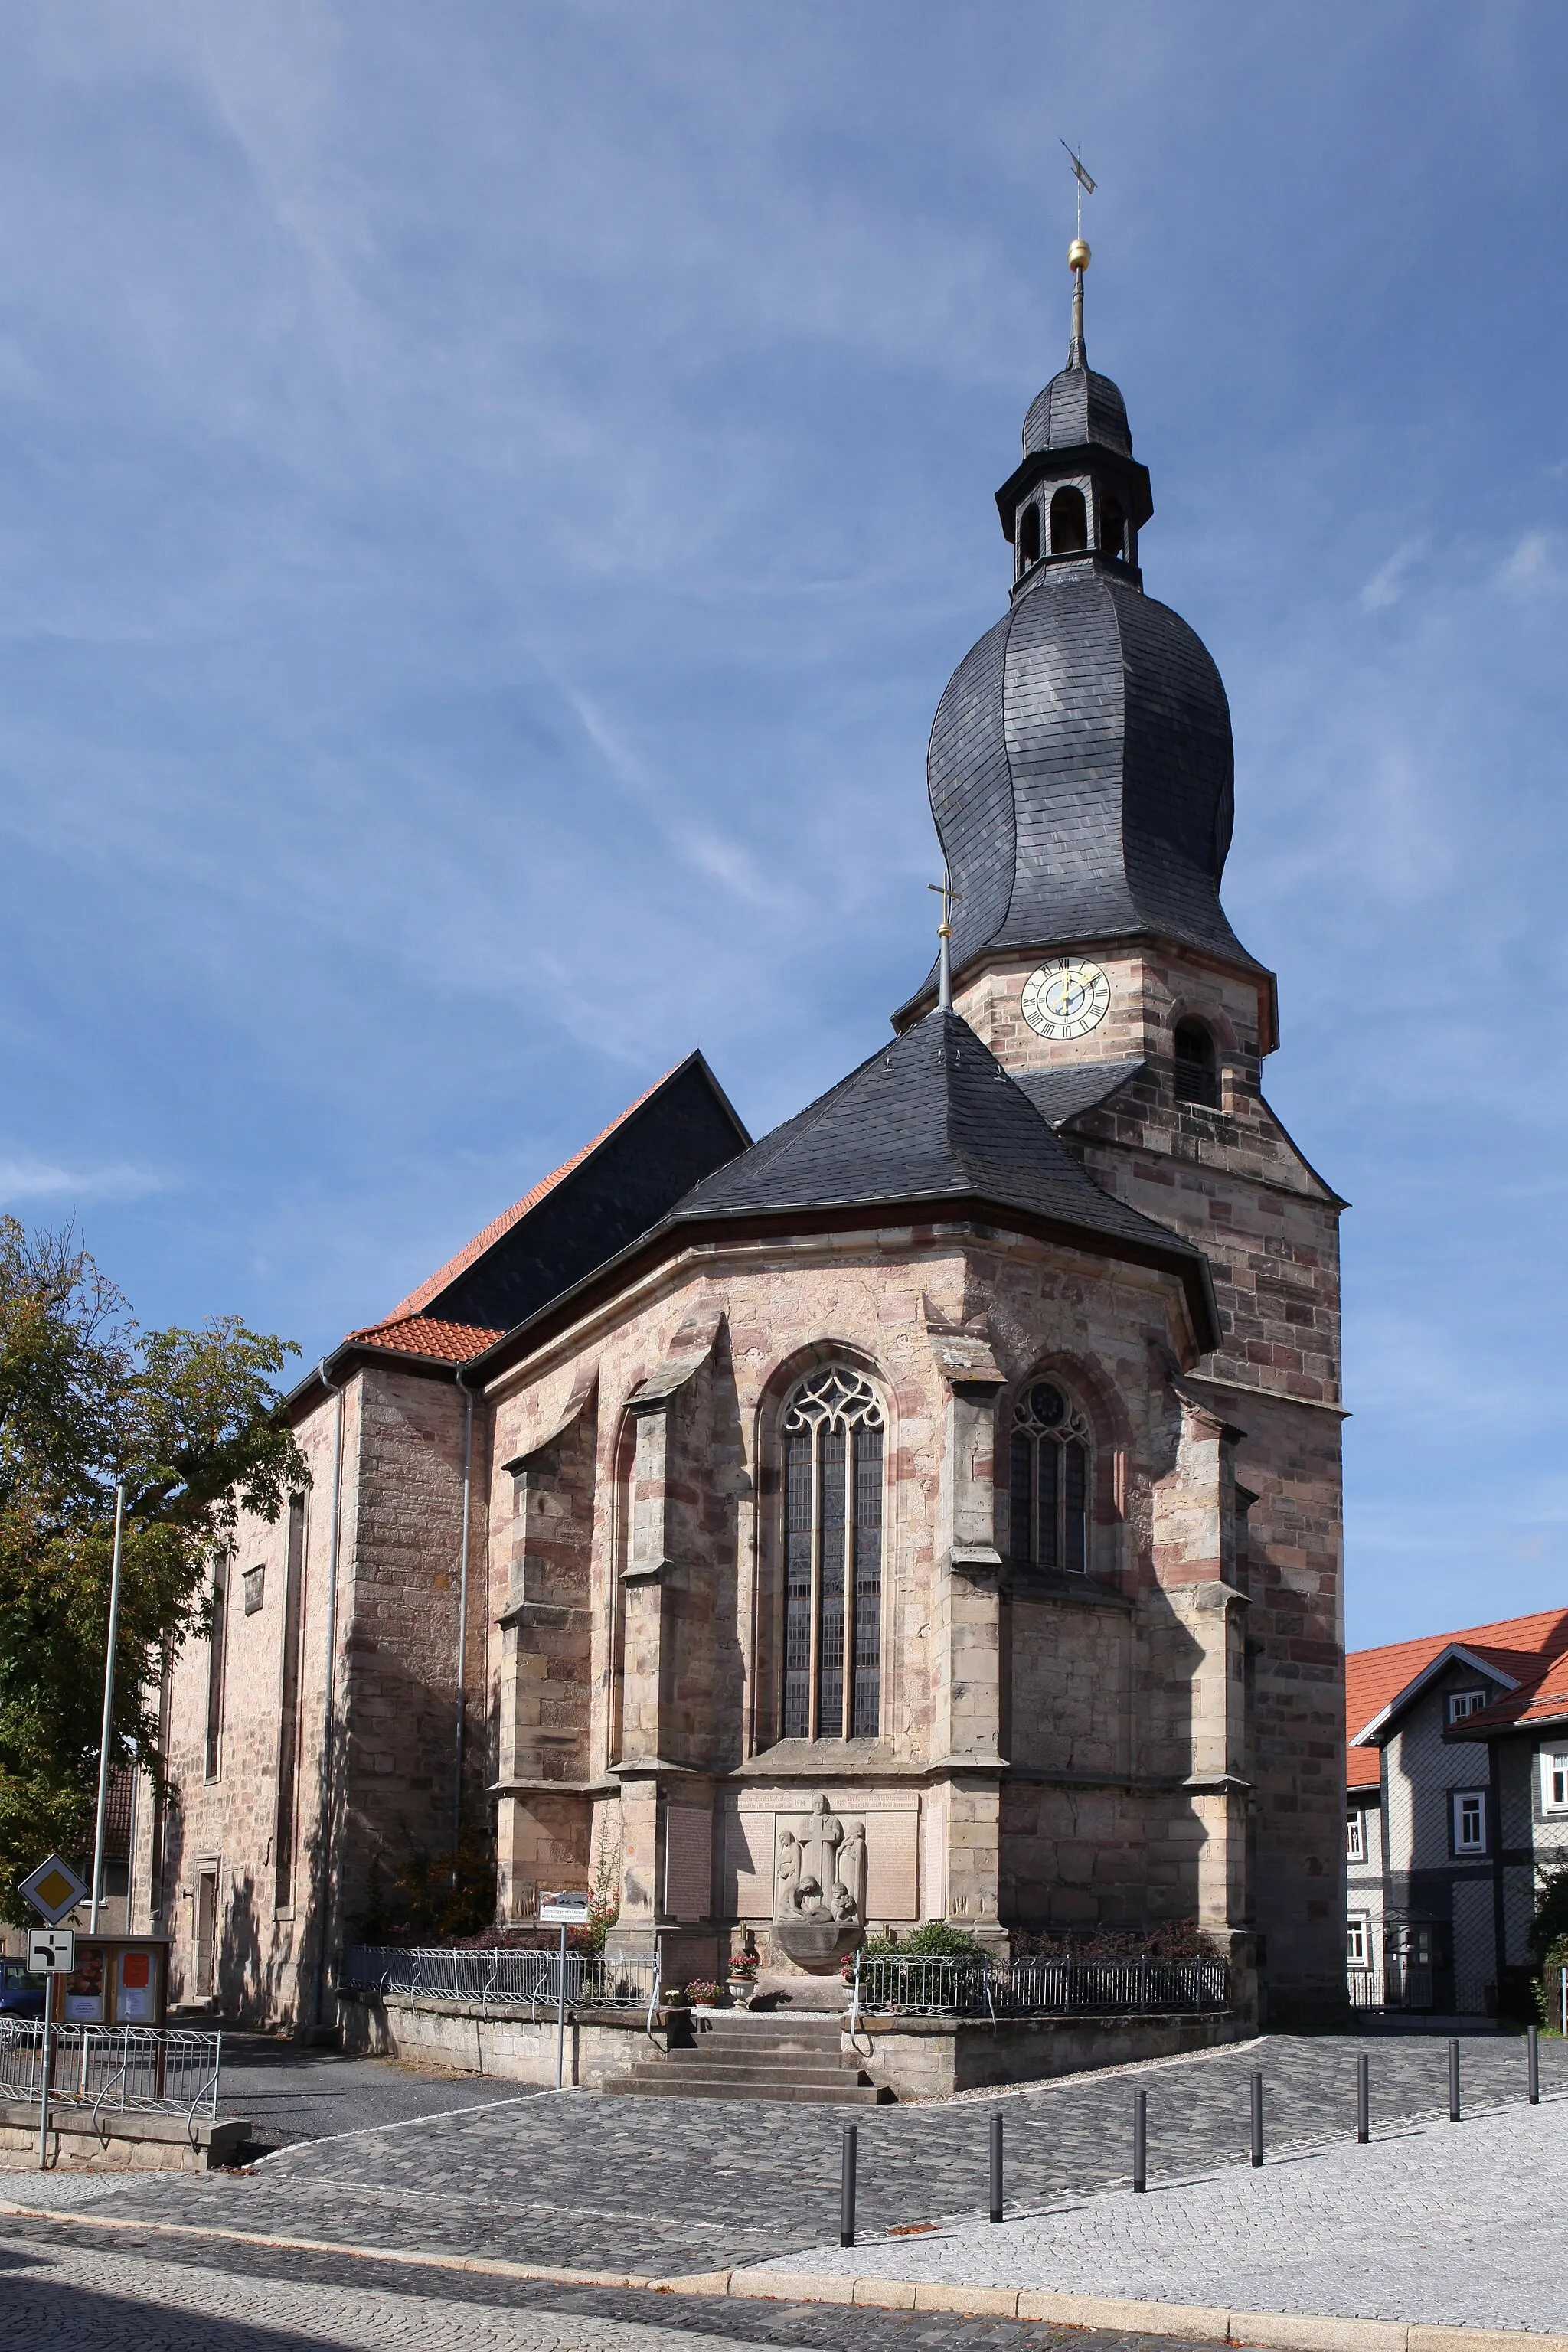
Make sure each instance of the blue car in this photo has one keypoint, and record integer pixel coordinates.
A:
(20, 1994)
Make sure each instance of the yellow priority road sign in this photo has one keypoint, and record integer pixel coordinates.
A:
(53, 1889)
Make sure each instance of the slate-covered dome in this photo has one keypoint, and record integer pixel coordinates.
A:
(1080, 768)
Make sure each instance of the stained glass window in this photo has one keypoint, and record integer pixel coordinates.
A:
(1050, 1480)
(833, 1429)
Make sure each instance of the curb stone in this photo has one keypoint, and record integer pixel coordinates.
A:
(1272, 2331)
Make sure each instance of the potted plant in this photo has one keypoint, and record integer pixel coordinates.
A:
(742, 1979)
(704, 1996)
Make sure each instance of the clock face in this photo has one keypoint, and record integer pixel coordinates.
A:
(1066, 998)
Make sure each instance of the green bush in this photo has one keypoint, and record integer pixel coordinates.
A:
(935, 1941)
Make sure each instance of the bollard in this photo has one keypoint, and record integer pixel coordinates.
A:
(1362, 2101)
(1533, 2063)
(846, 2187)
(995, 2168)
(1256, 2114)
(1454, 2079)
(1140, 2142)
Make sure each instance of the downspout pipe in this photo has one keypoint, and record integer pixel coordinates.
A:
(325, 1840)
(462, 1620)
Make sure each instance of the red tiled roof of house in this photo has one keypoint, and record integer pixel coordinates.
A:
(1530, 1651)
(427, 1335)
(433, 1287)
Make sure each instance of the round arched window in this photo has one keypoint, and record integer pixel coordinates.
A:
(1050, 1480)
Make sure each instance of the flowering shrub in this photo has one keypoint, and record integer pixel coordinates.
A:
(700, 1990)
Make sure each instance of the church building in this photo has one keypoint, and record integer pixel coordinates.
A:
(959, 1465)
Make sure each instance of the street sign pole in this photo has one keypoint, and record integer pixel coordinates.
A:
(566, 1910)
(561, 2019)
(103, 1748)
(44, 2095)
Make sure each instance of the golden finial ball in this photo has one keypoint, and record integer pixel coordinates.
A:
(1078, 255)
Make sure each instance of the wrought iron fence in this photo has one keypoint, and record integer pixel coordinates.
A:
(1139, 1985)
(113, 2069)
(501, 1976)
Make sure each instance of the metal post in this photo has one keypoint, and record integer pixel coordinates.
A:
(1534, 2058)
(1563, 1987)
(1454, 2078)
(1256, 2115)
(847, 2187)
(44, 2092)
(1140, 2142)
(1362, 2101)
(997, 2167)
(103, 1745)
(561, 2017)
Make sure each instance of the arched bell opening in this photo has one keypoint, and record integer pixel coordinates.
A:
(1069, 522)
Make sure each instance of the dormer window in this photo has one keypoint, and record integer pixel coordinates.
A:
(1113, 527)
(1069, 523)
(1197, 1075)
(1028, 537)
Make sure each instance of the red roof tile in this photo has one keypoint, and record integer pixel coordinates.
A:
(427, 1335)
(1528, 1650)
(437, 1283)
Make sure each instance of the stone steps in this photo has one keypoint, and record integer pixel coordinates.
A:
(755, 2058)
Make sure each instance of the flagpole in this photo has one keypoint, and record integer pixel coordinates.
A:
(103, 1750)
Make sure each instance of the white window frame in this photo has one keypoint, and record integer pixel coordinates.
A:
(1555, 1767)
(1464, 1703)
(1358, 1932)
(1355, 1836)
(1460, 1801)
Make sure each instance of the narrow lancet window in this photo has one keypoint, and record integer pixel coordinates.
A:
(1113, 527)
(1069, 523)
(833, 1429)
(1049, 1481)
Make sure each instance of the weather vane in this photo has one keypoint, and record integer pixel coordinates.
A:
(1085, 186)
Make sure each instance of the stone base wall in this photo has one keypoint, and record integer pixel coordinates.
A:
(915, 2057)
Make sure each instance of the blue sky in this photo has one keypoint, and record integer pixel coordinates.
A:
(491, 495)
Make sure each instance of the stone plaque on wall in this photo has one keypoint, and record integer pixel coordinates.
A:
(892, 1855)
(687, 1861)
(747, 1886)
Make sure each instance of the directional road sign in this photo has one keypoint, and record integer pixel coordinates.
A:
(51, 1951)
(54, 1888)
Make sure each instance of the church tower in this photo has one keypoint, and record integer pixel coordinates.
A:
(1082, 777)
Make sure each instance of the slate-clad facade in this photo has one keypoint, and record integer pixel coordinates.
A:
(957, 1466)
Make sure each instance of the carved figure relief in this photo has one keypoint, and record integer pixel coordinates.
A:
(819, 1882)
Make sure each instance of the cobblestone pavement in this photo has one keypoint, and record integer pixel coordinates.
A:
(80, 2289)
(1450, 2227)
(291, 2093)
(663, 2186)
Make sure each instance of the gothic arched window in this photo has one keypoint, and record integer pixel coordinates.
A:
(1198, 1079)
(833, 1426)
(1069, 522)
(1050, 1480)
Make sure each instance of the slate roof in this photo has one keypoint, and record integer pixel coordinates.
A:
(1073, 1087)
(568, 1225)
(1080, 768)
(1529, 1652)
(1075, 407)
(934, 1117)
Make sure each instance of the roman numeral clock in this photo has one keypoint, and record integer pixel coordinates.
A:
(1066, 998)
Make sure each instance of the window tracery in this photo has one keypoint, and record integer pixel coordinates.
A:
(833, 1432)
(1050, 1480)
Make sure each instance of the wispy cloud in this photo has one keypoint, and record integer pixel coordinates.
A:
(22, 1178)
(1534, 566)
(1388, 583)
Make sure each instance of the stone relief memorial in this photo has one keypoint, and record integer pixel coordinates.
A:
(819, 1882)
(926, 1516)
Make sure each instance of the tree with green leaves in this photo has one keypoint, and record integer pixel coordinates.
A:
(189, 1421)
